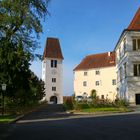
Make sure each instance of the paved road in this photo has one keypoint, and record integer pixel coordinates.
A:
(56, 125)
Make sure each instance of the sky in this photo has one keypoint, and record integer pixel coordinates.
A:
(84, 27)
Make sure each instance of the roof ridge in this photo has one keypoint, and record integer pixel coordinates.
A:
(99, 53)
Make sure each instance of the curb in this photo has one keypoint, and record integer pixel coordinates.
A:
(16, 119)
(103, 113)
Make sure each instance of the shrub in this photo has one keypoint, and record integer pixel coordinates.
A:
(81, 105)
(68, 103)
(121, 103)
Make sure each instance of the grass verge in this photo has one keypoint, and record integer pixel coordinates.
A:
(105, 109)
(7, 118)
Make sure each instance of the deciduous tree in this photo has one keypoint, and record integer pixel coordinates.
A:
(20, 27)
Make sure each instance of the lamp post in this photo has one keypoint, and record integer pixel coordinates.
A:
(3, 89)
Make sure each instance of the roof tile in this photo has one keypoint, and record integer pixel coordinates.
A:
(97, 61)
(135, 23)
(52, 49)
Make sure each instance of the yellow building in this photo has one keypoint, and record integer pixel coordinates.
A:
(96, 72)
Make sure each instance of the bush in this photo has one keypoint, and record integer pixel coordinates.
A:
(68, 103)
(96, 103)
(121, 103)
(81, 105)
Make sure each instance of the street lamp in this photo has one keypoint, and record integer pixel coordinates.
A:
(3, 89)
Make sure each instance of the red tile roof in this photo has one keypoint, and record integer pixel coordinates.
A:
(133, 26)
(135, 23)
(97, 61)
(52, 49)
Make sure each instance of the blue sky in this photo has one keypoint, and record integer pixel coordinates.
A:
(84, 27)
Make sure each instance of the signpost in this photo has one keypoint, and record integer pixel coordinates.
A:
(3, 89)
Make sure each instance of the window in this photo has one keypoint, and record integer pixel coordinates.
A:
(119, 53)
(136, 68)
(114, 82)
(124, 45)
(97, 83)
(44, 63)
(84, 93)
(53, 63)
(121, 74)
(136, 44)
(125, 72)
(53, 80)
(97, 72)
(102, 97)
(85, 73)
(53, 88)
(84, 83)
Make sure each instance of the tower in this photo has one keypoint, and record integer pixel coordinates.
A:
(52, 69)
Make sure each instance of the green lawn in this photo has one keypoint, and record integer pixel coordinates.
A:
(7, 118)
(105, 109)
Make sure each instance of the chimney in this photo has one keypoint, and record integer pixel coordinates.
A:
(108, 53)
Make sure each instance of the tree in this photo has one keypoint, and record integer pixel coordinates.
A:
(19, 20)
(27, 94)
(37, 87)
(20, 26)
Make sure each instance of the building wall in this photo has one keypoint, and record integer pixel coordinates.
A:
(105, 79)
(47, 74)
(128, 84)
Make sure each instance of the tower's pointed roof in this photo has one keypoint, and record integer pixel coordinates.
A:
(52, 49)
(135, 23)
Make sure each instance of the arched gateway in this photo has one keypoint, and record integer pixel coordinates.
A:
(53, 99)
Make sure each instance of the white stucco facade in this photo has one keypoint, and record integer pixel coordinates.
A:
(52, 76)
(103, 80)
(128, 66)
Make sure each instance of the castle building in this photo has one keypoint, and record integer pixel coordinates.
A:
(52, 71)
(96, 72)
(128, 62)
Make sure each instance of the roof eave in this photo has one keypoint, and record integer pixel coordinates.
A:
(93, 68)
(123, 33)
